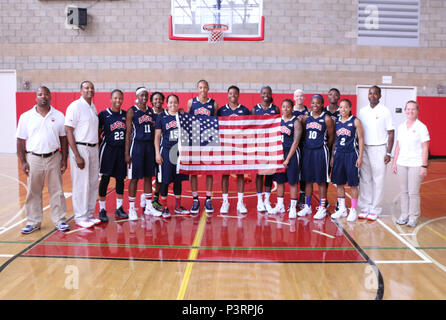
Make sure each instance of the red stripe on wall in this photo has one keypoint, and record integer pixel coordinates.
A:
(431, 108)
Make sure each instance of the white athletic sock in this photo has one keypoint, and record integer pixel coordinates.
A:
(259, 197)
(341, 203)
(225, 197)
(101, 205)
(240, 197)
(267, 194)
(293, 203)
(148, 196)
(118, 203)
(280, 201)
(131, 203)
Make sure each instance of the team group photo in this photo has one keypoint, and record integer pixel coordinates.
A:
(223, 150)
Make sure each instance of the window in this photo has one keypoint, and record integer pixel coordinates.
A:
(388, 22)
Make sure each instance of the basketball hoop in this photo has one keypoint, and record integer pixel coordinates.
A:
(215, 32)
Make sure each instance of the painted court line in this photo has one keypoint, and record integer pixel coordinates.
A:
(396, 235)
(410, 246)
(324, 234)
(279, 222)
(192, 256)
(401, 261)
(442, 236)
(5, 229)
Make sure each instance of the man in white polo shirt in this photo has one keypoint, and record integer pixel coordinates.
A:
(378, 139)
(40, 135)
(81, 125)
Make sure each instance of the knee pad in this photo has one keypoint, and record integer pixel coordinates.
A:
(103, 185)
(164, 190)
(119, 186)
(177, 188)
(269, 181)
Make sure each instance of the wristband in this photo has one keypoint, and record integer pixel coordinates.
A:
(388, 154)
(424, 167)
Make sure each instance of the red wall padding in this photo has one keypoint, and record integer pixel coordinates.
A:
(432, 110)
(431, 113)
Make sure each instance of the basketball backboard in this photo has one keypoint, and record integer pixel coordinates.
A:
(244, 19)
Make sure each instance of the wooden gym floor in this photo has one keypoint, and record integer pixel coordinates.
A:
(252, 257)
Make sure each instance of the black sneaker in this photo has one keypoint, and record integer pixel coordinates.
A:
(181, 210)
(301, 199)
(103, 215)
(208, 206)
(157, 205)
(63, 226)
(29, 229)
(195, 207)
(121, 213)
(166, 213)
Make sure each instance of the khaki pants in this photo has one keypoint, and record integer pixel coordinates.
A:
(410, 180)
(372, 175)
(85, 182)
(39, 170)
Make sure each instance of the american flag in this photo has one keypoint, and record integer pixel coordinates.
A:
(230, 145)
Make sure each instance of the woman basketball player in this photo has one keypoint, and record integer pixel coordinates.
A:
(347, 159)
(140, 151)
(166, 148)
(266, 107)
(291, 129)
(157, 100)
(233, 109)
(299, 111)
(112, 153)
(319, 137)
(202, 106)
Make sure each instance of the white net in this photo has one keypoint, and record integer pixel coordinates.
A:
(216, 36)
(216, 32)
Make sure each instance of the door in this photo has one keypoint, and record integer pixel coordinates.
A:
(394, 98)
(8, 89)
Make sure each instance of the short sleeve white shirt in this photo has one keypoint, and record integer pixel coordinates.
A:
(42, 134)
(376, 122)
(409, 142)
(83, 117)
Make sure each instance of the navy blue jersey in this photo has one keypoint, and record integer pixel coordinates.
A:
(346, 138)
(334, 115)
(143, 124)
(226, 111)
(315, 131)
(287, 130)
(300, 114)
(202, 109)
(112, 125)
(155, 115)
(169, 129)
(272, 109)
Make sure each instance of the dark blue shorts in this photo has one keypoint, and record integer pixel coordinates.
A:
(344, 169)
(112, 161)
(167, 172)
(292, 173)
(315, 165)
(143, 160)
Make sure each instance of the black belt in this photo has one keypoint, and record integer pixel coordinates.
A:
(87, 144)
(44, 155)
